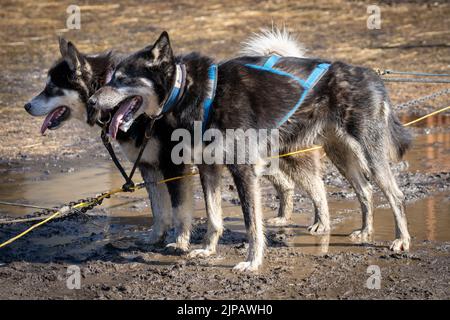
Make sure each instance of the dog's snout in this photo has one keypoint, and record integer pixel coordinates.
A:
(92, 102)
(27, 107)
(105, 98)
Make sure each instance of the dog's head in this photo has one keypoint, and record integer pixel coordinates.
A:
(139, 84)
(70, 81)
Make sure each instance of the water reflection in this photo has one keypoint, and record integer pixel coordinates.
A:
(430, 152)
(51, 187)
(429, 218)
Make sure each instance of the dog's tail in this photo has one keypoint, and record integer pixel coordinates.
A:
(273, 41)
(400, 137)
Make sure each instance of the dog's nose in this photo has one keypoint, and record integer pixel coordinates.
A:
(27, 107)
(92, 102)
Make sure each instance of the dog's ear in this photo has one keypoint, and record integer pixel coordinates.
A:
(109, 71)
(70, 54)
(161, 50)
(62, 46)
(108, 75)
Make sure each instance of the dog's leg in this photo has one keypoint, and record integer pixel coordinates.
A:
(159, 201)
(211, 177)
(246, 179)
(348, 156)
(181, 194)
(386, 181)
(285, 189)
(305, 170)
(315, 188)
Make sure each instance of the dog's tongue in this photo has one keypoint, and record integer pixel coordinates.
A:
(118, 116)
(48, 119)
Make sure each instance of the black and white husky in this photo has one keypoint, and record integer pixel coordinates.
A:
(348, 112)
(76, 76)
(70, 83)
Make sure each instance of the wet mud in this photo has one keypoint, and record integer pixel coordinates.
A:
(109, 243)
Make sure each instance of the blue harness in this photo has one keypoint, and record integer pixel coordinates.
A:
(178, 87)
(307, 84)
(175, 93)
(212, 82)
(180, 80)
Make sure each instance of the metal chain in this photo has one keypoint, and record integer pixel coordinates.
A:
(418, 80)
(424, 74)
(417, 101)
(70, 212)
(30, 217)
(382, 72)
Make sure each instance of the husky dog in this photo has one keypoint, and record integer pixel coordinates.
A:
(76, 76)
(348, 112)
(70, 82)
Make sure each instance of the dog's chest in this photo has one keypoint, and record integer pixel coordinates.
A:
(150, 155)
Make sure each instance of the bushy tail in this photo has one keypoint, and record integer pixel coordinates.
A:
(401, 138)
(273, 41)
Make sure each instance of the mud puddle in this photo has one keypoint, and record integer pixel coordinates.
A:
(108, 245)
(51, 187)
(125, 219)
(431, 144)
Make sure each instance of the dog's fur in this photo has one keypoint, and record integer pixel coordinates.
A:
(74, 78)
(70, 82)
(348, 112)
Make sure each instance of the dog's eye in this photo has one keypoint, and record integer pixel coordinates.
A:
(49, 88)
(72, 78)
(119, 77)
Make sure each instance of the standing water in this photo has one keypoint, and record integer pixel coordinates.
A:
(428, 216)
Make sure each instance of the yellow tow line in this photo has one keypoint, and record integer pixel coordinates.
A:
(141, 185)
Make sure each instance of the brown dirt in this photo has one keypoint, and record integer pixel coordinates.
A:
(331, 29)
(114, 259)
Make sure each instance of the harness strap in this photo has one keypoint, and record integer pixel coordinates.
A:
(316, 74)
(271, 61)
(177, 89)
(129, 184)
(212, 83)
(307, 85)
(109, 147)
(173, 98)
(312, 80)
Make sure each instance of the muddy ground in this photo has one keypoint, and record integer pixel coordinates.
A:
(109, 244)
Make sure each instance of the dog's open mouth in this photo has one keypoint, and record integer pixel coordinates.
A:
(55, 118)
(124, 116)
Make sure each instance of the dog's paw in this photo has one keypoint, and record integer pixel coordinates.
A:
(176, 248)
(277, 222)
(318, 228)
(245, 266)
(154, 237)
(361, 235)
(201, 253)
(400, 245)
